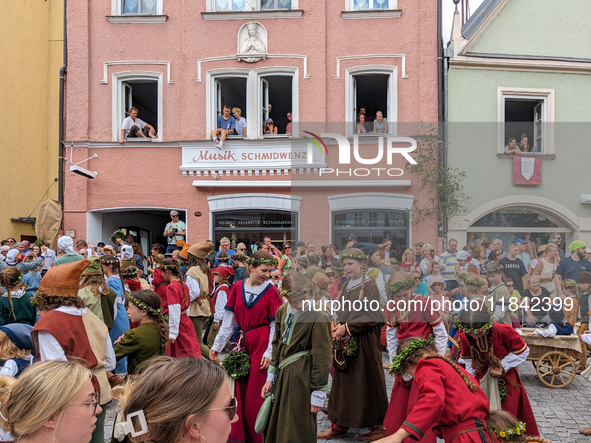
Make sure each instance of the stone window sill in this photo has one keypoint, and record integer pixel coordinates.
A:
(372, 13)
(115, 19)
(252, 15)
(549, 156)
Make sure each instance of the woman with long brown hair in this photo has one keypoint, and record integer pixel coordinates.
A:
(496, 348)
(97, 295)
(252, 304)
(181, 334)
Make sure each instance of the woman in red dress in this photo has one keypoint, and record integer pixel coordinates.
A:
(496, 348)
(181, 333)
(252, 305)
(418, 319)
(438, 384)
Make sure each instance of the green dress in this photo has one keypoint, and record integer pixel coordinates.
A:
(24, 312)
(67, 259)
(101, 306)
(291, 420)
(138, 345)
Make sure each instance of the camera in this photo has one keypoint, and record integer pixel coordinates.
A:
(173, 233)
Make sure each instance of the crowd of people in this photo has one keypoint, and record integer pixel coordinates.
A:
(222, 343)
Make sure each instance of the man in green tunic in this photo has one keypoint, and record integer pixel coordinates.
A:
(300, 364)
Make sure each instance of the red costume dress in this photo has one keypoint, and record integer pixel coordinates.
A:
(418, 323)
(505, 341)
(133, 286)
(159, 284)
(186, 344)
(437, 386)
(254, 319)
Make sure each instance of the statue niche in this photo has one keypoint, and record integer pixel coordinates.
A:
(252, 42)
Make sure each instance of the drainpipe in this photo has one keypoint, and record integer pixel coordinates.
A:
(61, 114)
(441, 94)
(445, 63)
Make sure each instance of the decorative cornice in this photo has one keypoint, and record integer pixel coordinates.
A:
(354, 57)
(308, 183)
(371, 14)
(516, 64)
(140, 18)
(105, 80)
(252, 15)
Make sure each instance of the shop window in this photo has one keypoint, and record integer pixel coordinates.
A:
(373, 226)
(370, 94)
(527, 114)
(253, 5)
(276, 90)
(231, 92)
(363, 5)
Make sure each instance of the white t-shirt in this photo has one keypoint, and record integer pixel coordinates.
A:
(240, 125)
(181, 226)
(49, 259)
(128, 123)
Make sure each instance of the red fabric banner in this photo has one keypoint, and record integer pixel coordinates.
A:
(527, 170)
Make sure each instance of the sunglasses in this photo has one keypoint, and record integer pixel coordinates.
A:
(510, 285)
(288, 247)
(330, 275)
(230, 409)
(242, 249)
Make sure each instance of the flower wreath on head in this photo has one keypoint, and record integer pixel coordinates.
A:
(460, 327)
(173, 267)
(397, 366)
(496, 270)
(400, 285)
(473, 282)
(354, 256)
(109, 261)
(337, 267)
(144, 306)
(223, 259)
(296, 293)
(565, 284)
(132, 271)
(239, 257)
(261, 261)
(18, 281)
(510, 433)
(303, 262)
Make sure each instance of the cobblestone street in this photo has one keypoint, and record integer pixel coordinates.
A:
(560, 413)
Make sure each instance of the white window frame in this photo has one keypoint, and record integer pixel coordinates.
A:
(350, 6)
(392, 112)
(254, 128)
(118, 97)
(211, 7)
(117, 9)
(548, 96)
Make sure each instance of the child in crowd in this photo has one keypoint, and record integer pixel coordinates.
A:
(182, 337)
(221, 277)
(150, 338)
(302, 265)
(499, 294)
(239, 265)
(434, 272)
(441, 297)
(584, 281)
(300, 364)
(95, 293)
(32, 278)
(558, 326)
(571, 302)
(507, 428)
(15, 306)
(313, 268)
(16, 346)
(159, 283)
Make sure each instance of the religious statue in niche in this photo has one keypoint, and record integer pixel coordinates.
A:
(252, 39)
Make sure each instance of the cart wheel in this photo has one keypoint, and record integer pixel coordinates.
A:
(535, 364)
(556, 369)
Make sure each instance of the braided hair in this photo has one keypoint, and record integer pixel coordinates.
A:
(9, 278)
(476, 319)
(176, 271)
(429, 352)
(152, 299)
(110, 260)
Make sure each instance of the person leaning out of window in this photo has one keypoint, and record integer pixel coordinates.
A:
(380, 124)
(511, 148)
(132, 126)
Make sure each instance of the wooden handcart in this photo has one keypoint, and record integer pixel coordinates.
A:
(552, 358)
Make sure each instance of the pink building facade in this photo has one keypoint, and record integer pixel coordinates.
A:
(179, 62)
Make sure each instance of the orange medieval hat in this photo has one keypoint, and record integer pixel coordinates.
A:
(63, 280)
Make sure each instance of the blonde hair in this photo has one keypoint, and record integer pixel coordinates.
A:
(9, 350)
(238, 110)
(470, 290)
(42, 391)
(355, 251)
(529, 279)
(162, 392)
(500, 420)
(408, 251)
